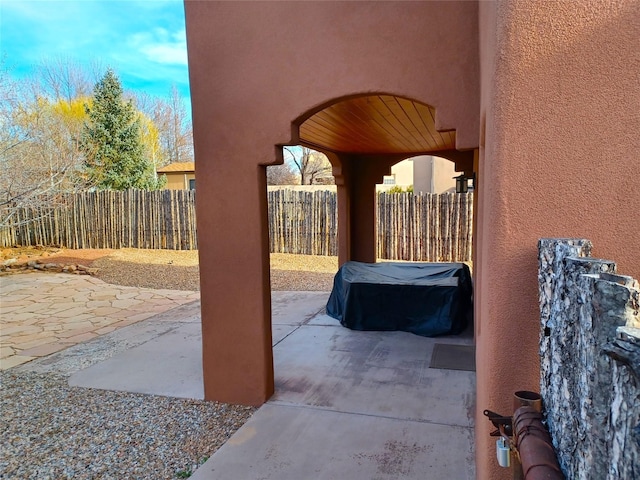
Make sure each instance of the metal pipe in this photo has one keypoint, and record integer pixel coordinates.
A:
(533, 442)
(523, 398)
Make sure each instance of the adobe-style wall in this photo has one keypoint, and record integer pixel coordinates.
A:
(178, 180)
(254, 68)
(434, 175)
(558, 158)
(281, 59)
(556, 119)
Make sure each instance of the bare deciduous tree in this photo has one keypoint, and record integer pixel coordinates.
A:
(36, 159)
(313, 167)
(62, 78)
(174, 127)
(39, 151)
(281, 175)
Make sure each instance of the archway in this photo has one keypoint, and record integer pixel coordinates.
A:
(363, 136)
(248, 84)
(256, 65)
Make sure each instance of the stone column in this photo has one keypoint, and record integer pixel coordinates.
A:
(606, 302)
(561, 262)
(552, 254)
(590, 363)
(624, 428)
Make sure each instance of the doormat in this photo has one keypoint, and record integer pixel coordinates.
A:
(453, 357)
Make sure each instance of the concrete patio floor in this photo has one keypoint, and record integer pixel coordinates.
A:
(356, 405)
(352, 405)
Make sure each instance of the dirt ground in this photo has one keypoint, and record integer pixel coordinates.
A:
(178, 269)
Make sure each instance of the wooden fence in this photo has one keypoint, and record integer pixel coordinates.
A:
(303, 222)
(109, 219)
(427, 227)
(410, 227)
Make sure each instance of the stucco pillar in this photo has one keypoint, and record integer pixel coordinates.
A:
(231, 204)
(363, 214)
(356, 178)
(342, 176)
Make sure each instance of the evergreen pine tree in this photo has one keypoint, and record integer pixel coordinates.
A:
(112, 142)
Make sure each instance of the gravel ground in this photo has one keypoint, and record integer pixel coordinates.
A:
(187, 277)
(52, 431)
(178, 269)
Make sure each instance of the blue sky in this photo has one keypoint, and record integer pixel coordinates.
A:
(142, 40)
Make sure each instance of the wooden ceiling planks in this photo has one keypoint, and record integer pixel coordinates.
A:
(376, 124)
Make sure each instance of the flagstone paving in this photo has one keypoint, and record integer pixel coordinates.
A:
(43, 313)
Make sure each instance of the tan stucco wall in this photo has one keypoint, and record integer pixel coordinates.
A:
(433, 174)
(403, 172)
(425, 173)
(443, 173)
(560, 98)
(178, 181)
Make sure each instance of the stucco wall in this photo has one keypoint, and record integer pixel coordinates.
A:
(178, 180)
(256, 67)
(434, 175)
(558, 158)
(443, 173)
(403, 172)
(285, 58)
(558, 120)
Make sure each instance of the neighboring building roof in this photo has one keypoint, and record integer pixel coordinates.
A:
(178, 167)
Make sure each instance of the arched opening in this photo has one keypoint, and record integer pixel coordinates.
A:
(339, 370)
(364, 135)
(260, 83)
(376, 124)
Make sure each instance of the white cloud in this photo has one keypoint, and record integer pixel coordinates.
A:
(172, 54)
(160, 46)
